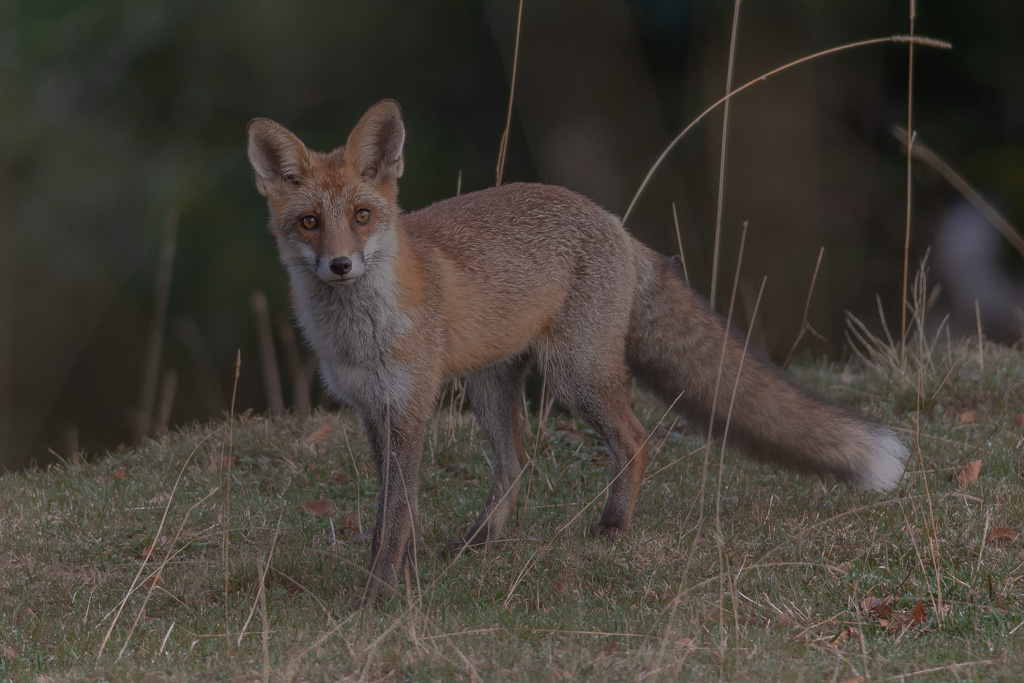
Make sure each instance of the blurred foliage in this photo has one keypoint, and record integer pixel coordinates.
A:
(121, 116)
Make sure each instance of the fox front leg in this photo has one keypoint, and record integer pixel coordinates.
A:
(397, 448)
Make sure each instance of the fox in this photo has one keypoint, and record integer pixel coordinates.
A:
(486, 284)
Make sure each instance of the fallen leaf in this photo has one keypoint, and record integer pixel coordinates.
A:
(321, 434)
(611, 647)
(557, 585)
(318, 507)
(153, 581)
(969, 473)
(877, 606)
(1001, 535)
(686, 643)
(367, 468)
(902, 620)
(341, 478)
(149, 552)
(120, 474)
(160, 498)
(919, 614)
(7, 652)
(845, 635)
(968, 417)
(1018, 419)
(350, 522)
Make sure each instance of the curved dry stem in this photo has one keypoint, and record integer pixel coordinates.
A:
(916, 40)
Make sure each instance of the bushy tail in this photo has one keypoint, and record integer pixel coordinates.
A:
(674, 349)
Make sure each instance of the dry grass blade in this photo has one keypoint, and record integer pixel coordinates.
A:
(268, 356)
(225, 476)
(721, 159)
(923, 153)
(804, 325)
(151, 373)
(910, 145)
(929, 42)
(160, 527)
(503, 147)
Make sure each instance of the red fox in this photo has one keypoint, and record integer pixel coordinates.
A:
(481, 285)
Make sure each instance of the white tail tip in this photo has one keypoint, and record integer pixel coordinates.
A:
(886, 461)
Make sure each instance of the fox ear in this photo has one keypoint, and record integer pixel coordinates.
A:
(276, 155)
(374, 146)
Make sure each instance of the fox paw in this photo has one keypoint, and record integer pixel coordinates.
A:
(610, 533)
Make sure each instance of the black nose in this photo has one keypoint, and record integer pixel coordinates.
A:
(341, 265)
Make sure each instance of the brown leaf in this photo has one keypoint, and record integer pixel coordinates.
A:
(845, 634)
(153, 581)
(7, 652)
(341, 478)
(322, 433)
(557, 585)
(611, 647)
(878, 606)
(318, 507)
(686, 643)
(149, 552)
(919, 614)
(968, 417)
(1018, 419)
(969, 473)
(162, 497)
(351, 522)
(1001, 535)
(120, 474)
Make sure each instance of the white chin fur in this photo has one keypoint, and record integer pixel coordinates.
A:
(886, 464)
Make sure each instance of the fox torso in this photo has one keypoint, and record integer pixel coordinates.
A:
(459, 285)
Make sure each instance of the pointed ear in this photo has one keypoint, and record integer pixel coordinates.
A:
(276, 155)
(374, 146)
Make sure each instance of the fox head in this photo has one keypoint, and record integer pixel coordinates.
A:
(332, 213)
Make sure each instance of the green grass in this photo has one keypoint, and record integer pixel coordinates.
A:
(770, 589)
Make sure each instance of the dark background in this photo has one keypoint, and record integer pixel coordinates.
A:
(119, 119)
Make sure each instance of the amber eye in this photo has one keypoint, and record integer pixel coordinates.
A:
(362, 216)
(309, 222)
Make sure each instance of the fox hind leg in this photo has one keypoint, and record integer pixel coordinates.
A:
(599, 397)
(495, 393)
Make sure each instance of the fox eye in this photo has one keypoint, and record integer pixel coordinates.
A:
(362, 216)
(309, 222)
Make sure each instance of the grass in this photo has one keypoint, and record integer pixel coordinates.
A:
(782, 594)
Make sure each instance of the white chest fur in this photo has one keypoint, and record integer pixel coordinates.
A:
(353, 328)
